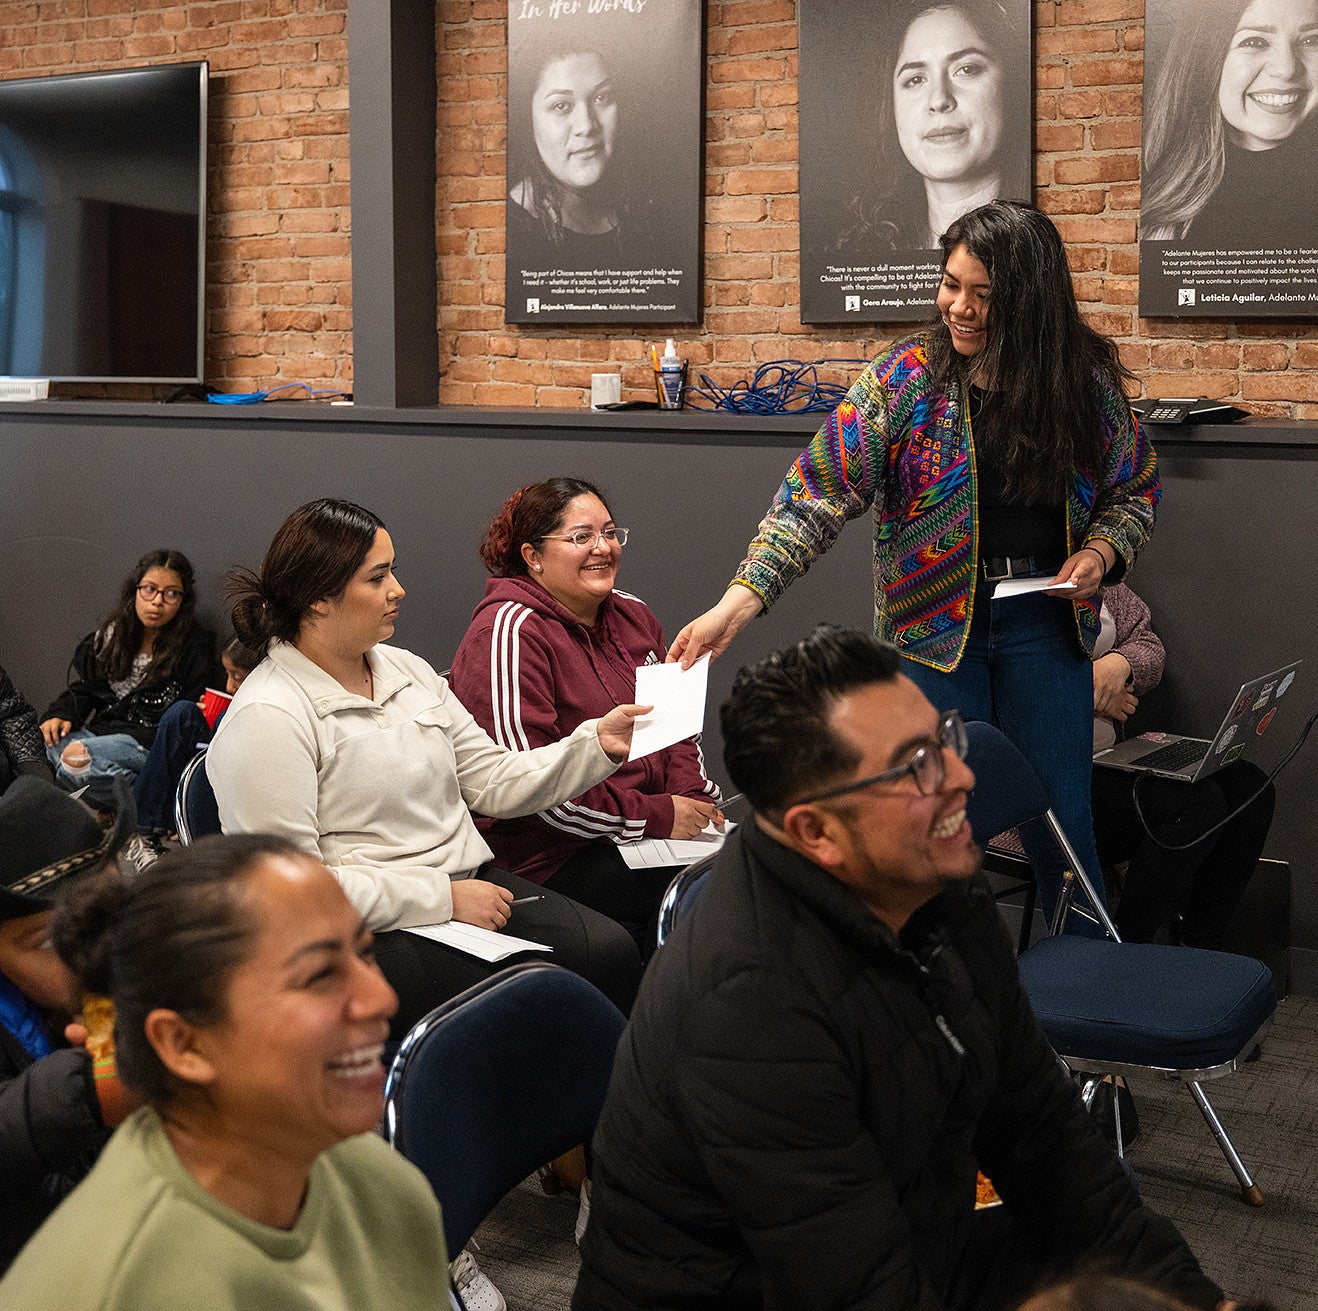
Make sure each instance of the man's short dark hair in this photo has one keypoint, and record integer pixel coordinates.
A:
(777, 742)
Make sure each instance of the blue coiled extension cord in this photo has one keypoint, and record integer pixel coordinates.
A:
(778, 387)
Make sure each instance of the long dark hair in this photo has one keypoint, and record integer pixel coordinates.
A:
(170, 936)
(119, 638)
(893, 210)
(1185, 137)
(530, 514)
(1042, 364)
(313, 556)
(542, 193)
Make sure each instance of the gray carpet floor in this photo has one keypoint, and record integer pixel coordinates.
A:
(1270, 1109)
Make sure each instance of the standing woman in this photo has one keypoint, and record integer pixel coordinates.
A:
(996, 443)
(552, 644)
(360, 754)
(149, 653)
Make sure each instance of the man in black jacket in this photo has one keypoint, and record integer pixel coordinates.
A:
(831, 1044)
(51, 1126)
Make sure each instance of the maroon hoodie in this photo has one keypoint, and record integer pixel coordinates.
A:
(530, 673)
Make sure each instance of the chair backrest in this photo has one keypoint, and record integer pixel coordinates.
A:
(196, 814)
(683, 893)
(496, 1082)
(1007, 794)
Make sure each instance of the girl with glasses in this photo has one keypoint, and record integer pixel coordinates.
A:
(148, 653)
(550, 645)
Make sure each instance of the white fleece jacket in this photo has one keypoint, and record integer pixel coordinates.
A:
(381, 790)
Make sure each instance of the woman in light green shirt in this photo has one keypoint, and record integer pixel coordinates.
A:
(251, 1018)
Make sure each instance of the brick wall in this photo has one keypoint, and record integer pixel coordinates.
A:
(1088, 79)
(278, 272)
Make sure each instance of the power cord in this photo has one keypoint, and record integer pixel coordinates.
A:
(777, 387)
(255, 397)
(1240, 809)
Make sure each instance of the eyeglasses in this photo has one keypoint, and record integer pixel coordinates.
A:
(927, 766)
(149, 592)
(585, 538)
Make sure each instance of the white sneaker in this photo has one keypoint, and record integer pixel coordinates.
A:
(143, 849)
(477, 1293)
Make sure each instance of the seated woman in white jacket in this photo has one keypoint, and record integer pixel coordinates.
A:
(360, 754)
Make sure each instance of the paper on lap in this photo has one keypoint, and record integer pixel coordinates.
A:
(482, 943)
(655, 853)
(678, 697)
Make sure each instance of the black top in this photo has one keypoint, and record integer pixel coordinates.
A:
(801, 1100)
(90, 701)
(1008, 525)
(50, 1136)
(1264, 201)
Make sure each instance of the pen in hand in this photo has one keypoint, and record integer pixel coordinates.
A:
(521, 901)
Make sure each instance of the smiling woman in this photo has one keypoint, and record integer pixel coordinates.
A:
(997, 443)
(552, 644)
(251, 1017)
(1229, 128)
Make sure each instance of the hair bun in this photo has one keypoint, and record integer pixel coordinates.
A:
(83, 924)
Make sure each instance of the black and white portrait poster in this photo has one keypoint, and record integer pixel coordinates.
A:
(605, 109)
(912, 113)
(1229, 183)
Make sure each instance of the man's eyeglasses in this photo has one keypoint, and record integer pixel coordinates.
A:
(927, 766)
(149, 592)
(585, 538)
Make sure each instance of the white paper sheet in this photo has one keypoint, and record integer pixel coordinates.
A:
(678, 697)
(482, 943)
(655, 853)
(1024, 586)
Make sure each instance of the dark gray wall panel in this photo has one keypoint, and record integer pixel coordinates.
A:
(1230, 573)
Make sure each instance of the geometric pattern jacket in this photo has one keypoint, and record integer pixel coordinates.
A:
(904, 451)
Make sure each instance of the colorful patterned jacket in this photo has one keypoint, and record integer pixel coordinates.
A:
(904, 450)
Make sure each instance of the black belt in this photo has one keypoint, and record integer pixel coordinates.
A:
(1016, 566)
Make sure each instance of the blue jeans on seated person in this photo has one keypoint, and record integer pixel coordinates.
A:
(183, 728)
(1023, 670)
(112, 754)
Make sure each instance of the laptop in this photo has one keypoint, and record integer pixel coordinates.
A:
(1168, 755)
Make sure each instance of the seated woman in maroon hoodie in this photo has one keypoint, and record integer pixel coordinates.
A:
(550, 645)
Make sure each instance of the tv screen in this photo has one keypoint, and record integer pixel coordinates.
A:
(102, 225)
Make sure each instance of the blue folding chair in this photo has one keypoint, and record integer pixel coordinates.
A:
(196, 813)
(1117, 1008)
(494, 1083)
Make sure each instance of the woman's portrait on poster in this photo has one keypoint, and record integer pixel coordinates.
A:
(1229, 124)
(573, 202)
(952, 127)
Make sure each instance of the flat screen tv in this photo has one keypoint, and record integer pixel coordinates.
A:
(102, 225)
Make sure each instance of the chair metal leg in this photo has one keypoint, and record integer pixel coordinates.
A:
(1249, 1190)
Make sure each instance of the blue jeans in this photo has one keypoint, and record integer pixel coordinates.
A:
(183, 728)
(1024, 670)
(112, 754)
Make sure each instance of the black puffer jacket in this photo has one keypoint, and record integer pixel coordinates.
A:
(801, 1100)
(50, 1136)
(20, 736)
(90, 701)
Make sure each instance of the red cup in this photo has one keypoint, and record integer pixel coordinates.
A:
(214, 704)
